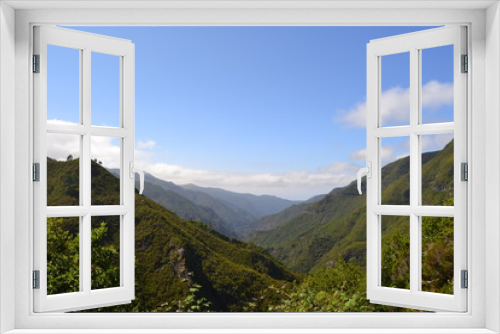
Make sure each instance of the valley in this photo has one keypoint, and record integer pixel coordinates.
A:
(206, 249)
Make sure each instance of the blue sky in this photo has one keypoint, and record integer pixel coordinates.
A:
(266, 110)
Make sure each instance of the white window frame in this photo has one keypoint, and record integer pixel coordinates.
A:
(413, 44)
(86, 44)
(483, 21)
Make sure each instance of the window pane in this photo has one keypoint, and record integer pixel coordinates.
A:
(63, 255)
(437, 84)
(63, 85)
(106, 156)
(437, 254)
(437, 169)
(63, 169)
(395, 251)
(395, 90)
(105, 252)
(395, 159)
(105, 90)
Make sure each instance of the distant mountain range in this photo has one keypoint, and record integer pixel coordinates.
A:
(257, 205)
(227, 212)
(310, 236)
(174, 255)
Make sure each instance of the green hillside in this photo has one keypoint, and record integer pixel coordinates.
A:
(186, 266)
(257, 205)
(336, 225)
(186, 209)
(270, 222)
(175, 258)
(230, 216)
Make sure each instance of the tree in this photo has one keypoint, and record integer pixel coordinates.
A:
(63, 258)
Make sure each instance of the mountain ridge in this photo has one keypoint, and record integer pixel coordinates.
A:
(258, 205)
(225, 272)
(318, 233)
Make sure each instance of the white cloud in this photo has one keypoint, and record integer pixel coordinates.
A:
(400, 150)
(436, 94)
(292, 184)
(396, 107)
(104, 149)
(60, 146)
(58, 121)
(146, 144)
(340, 167)
(435, 142)
(360, 155)
(355, 117)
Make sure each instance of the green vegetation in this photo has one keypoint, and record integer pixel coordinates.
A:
(173, 256)
(225, 211)
(336, 225)
(63, 257)
(187, 266)
(340, 288)
(170, 196)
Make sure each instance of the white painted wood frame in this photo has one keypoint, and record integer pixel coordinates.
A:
(414, 43)
(482, 18)
(86, 43)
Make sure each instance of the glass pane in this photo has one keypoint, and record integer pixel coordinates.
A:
(63, 85)
(437, 84)
(105, 252)
(63, 169)
(437, 254)
(395, 251)
(105, 90)
(395, 158)
(395, 94)
(437, 169)
(63, 255)
(106, 156)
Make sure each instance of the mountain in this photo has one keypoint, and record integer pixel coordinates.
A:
(228, 212)
(315, 199)
(231, 215)
(187, 209)
(192, 205)
(308, 237)
(270, 222)
(257, 205)
(174, 257)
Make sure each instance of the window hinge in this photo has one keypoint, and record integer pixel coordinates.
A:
(464, 279)
(36, 63)
(465, 64)
(464, 171)
(36, 172)
(36, 279)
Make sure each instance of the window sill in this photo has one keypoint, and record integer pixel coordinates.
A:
(250, 331)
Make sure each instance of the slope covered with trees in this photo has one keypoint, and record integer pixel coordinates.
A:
(257, 205)
(175, 258)
(186, 266)
(336, 225)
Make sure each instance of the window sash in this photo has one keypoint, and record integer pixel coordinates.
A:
(413, 43)
(86, 298)
(475, 320)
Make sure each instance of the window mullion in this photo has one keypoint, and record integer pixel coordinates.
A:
(86, 239)
(415, 267)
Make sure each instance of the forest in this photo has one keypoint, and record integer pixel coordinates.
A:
(309, 257)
